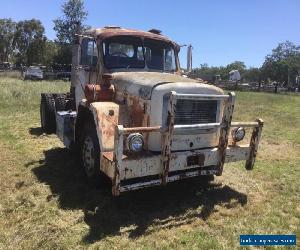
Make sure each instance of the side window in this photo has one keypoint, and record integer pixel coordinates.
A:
(89, 53)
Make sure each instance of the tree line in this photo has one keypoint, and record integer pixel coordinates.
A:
(24, 43)
(281, 66)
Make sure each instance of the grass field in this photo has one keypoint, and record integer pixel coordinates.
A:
(46, 204)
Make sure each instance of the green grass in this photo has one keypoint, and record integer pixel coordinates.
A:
(11, 74)
(46, 203)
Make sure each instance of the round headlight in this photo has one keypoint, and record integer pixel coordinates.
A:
(238, 134)
(135, 142)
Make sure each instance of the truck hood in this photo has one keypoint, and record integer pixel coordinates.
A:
(142, 83)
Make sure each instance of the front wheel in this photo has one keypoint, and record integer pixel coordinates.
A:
(90, 154)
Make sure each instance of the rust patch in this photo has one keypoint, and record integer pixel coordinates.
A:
(107, 116)
(97, 93)
(254, 141)
(136, 110)
(167, 139)
(226, 121)
(109, 155)
(141, 129)
(117, 158)
(107, 124)
(111, 32)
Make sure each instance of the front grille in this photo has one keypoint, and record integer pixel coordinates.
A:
(195, 111)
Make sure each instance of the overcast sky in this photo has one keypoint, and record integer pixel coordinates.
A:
(220, 31)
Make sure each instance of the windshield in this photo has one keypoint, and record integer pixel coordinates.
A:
(131, 52)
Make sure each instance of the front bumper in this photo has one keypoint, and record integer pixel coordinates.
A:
(130, 172)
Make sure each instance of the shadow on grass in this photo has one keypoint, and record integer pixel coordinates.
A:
(136, 213)
(36, 131)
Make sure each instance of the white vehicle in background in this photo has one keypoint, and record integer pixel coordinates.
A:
(33, 73)
(234, 75)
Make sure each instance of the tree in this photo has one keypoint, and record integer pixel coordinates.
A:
(252, 75)
(283, 65)
(207, 73)
(50, 52)
(29, 42)
(72, 21)
(7, 32)
(64, 54)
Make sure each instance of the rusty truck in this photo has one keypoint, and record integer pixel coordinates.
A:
(136, 119)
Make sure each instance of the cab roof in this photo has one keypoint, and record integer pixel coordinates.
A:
(111, 31)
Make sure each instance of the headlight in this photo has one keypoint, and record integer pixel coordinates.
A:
(238, 134)
(135, 142)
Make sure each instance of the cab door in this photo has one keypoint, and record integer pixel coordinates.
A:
(84, 61)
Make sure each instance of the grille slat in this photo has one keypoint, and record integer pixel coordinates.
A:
(195, 112)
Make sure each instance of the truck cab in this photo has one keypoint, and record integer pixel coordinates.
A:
(134, 118)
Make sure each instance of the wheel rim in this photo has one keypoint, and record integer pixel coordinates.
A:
(88, 156)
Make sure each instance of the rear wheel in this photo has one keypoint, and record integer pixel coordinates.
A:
(47, 113)
(60, 102)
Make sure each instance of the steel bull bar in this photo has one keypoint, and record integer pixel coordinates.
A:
(210, 160)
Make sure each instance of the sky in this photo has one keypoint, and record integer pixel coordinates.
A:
(220, 31)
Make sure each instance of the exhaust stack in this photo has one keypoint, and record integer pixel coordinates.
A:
(189, 58)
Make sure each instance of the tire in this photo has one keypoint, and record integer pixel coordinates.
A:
(47, 113)
(60, 102)
(90, 155)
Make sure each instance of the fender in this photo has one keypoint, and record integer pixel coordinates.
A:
(106, 118)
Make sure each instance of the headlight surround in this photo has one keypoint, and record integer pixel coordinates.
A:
(238, 134)
(135, 142)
